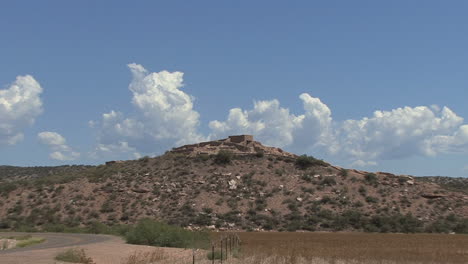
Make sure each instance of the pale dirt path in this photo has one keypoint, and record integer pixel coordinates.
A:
(103, 249)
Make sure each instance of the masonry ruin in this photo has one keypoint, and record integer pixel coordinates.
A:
(237, 144)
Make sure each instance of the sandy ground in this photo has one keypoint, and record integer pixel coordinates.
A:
(112, 251)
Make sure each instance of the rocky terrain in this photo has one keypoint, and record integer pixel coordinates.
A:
(235, 183)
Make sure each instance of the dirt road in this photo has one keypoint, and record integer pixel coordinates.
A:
(103, 249)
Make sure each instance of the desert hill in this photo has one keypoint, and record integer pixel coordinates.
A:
(234, 183)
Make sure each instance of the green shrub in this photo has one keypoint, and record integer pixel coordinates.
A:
(202, 157)
(344, 173)
(328, 181)
(371, 199)
(461, 227)
(362, 190)
(394, 223)
(304, 162)
(223, 157)
(6, 188)
(96, 227)
(144, 159)
(153, 233)
(370, 178)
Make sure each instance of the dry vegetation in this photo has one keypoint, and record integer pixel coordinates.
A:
(156, 256)
(74, 255)
(323, 248)
(355, 248)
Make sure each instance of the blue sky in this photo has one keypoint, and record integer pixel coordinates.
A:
(307, 76)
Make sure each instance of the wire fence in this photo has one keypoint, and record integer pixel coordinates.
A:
(222, 250)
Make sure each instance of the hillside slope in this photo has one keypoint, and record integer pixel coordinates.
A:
(252, 190)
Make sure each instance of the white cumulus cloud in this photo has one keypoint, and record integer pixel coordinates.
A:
(269, 122)
(20, 104)
(400, 133)
(165, 117)
(58, 145)
(395, 134)
(276, 126)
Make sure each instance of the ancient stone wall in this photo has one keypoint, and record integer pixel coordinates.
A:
(238, 145)
(241, 138)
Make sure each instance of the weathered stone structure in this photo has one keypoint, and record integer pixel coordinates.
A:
(241, 139)
(238, 144)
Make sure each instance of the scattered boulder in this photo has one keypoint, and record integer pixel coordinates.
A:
(232, 184)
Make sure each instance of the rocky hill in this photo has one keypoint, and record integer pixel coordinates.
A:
(234, 183)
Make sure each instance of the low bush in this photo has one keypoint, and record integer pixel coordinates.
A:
(370, 178)
(330, 181)
(6, 188)
(154, 233)
(202, 157)
(74, 255)
(223, 157)
(304, 162)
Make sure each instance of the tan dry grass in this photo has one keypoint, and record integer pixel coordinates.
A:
(156, 256)
(355, 247)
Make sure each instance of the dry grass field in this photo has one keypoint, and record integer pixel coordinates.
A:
(274, 247)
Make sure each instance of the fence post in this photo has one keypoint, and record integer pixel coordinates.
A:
(226, 245)
(212, 254)
(221, 251)
(193, 256)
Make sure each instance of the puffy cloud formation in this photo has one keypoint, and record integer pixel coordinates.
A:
(165, 116)
(401, 133)
(276, 126)
(269, 122)
(58, 146)
(394, 134)
(20, 104)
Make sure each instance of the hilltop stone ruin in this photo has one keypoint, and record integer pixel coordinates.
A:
(239, 145)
